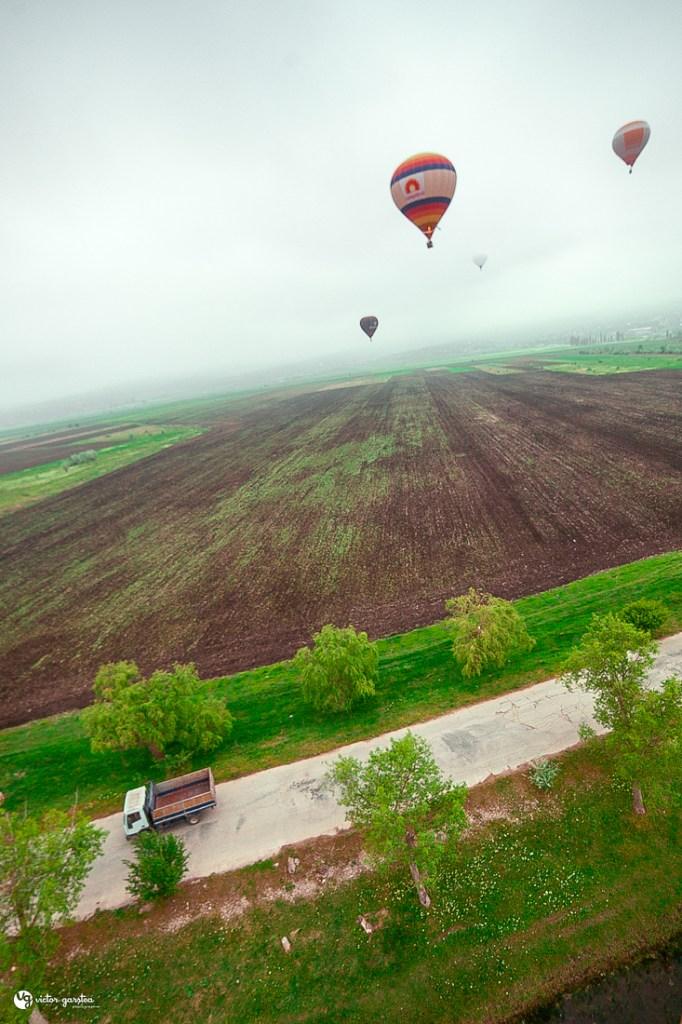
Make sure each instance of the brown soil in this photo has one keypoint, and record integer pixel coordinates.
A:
(233, 548)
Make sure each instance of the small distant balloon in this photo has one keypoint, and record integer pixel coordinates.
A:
(369, 325)
(422, 187)
(630, 140)
(479, 260)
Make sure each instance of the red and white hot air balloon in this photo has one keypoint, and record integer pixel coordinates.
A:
(630, 140)
(422, 187)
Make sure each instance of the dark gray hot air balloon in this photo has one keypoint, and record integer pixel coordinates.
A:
(369, 325)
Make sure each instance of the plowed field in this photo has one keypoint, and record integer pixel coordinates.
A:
(368, 504)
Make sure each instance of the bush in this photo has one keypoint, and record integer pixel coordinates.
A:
(543, 773)
(78, 458)
(340, 670)
(645, 614)
(586, 732)
(159, 868)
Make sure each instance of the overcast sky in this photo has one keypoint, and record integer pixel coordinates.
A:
(191, 186)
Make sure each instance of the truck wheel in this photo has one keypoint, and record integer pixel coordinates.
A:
(194, 820)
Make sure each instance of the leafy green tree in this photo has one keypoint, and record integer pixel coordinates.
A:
(487, 631)
(648, 615)
(341, 669)
(612, 661)
(650, 746)
(170, 712)
(43, 868)
(407, 810)
(161, 863)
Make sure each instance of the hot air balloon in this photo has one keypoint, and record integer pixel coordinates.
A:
(480, 259)
(630, 140)
(422, 188)
(369, 325)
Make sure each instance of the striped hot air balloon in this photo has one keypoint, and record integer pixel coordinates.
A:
(630, 140)
(422, 188)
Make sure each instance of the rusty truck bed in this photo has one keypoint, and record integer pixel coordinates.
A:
(183, 795)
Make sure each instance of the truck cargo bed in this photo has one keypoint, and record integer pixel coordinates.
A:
(181, 793)
(183, 796)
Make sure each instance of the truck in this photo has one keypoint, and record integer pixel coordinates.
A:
(160, 803)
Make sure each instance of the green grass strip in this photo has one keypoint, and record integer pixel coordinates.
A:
(44, 763)
(28, 486)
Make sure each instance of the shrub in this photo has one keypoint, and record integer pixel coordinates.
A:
(645, 614)
(78, 458)
(340, 669)
(543, 773)
(159, 868)
(586, 732)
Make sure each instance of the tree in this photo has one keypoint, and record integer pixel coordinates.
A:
(43, 868)
(612, 661)
(651, 744)
(341, 669)
(406, 808)
(647, 615)
(486, 630)
(160, 866)
(168, 712)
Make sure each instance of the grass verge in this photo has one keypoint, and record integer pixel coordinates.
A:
(46, 763)
(28, 486)
(562, 885)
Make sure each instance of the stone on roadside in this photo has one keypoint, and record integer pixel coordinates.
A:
(372, 926)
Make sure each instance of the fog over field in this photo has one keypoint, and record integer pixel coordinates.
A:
(203, 189)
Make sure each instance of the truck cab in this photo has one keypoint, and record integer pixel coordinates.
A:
(135, 812)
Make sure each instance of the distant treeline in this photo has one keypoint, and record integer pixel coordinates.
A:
(589, 339)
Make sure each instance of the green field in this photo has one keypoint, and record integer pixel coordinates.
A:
(28, 486)
(605, 358)
(562, 886)
(625, 361)
(43, 764)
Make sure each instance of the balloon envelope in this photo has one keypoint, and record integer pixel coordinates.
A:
(480, 259)
(630, 140)
(422, 187)
(369, 325)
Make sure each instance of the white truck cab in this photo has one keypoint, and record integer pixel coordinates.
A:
(134, 812)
